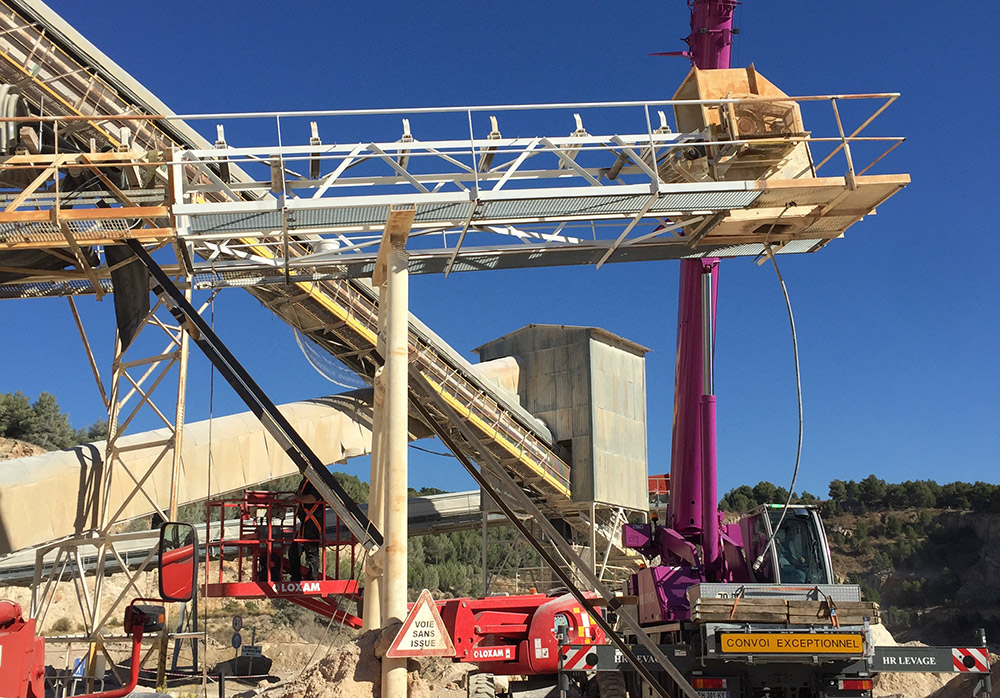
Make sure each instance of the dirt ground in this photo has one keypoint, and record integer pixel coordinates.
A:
(354, 671)
(962, 686)
(314, 657)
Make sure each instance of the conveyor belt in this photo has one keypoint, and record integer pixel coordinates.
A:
(342, 317)
(51, 61)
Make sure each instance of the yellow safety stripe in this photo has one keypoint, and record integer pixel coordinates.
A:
(320, 297)
(56, 96)
(316, 294)
(511, 448)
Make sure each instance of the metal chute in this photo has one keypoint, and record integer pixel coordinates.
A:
(327, 365)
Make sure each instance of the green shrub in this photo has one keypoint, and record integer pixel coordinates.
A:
(62, 625)
(893, 526)
(870, 593)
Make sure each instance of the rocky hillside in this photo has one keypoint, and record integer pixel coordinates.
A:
(13, 448)
(934, 571)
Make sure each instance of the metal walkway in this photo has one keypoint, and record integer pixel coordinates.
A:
(339, 315)
(298, 225)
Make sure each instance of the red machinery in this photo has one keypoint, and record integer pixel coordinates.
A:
(517, 635)
(265, 527)
(22, 655)
(659, 485)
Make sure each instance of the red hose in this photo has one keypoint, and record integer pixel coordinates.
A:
(133, 678)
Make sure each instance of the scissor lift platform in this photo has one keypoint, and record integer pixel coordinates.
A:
(255, 564)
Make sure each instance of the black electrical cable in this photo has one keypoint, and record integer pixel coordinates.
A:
(433, 453)
(798, 391)
(208, 494)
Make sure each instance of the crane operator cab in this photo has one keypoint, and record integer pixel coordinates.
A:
(799, 553)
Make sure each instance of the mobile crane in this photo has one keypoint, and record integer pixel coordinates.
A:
(750, 650)
(742, 610)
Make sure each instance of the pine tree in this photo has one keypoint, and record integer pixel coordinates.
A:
(43, 423)
(50, 427)
(15, 415)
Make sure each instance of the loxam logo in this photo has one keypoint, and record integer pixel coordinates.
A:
(294, 587)
(486, 653)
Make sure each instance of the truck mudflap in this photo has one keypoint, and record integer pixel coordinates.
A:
(934, 660)
(610, 658)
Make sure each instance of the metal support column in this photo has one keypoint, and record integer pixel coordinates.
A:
(374, 568)
(396, 424)
(183, 352)
(984, 689)
(593, 538)
(484, 513)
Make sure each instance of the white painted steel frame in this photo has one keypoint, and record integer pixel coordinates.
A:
(540, 200)
(543, 171)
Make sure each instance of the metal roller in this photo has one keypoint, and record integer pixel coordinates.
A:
(12, 106)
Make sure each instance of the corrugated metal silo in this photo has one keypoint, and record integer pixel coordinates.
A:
(589, 387)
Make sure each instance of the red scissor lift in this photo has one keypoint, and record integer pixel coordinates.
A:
(254, 564)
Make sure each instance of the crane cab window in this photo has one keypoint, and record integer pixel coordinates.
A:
(799, 548)
(760, 531)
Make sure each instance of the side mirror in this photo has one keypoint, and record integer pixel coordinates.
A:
(150, 618)
(178, 561)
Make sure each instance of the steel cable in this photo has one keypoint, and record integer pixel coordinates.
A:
(798, 392)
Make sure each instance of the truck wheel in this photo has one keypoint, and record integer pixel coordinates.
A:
(482, 686)
(611, 684)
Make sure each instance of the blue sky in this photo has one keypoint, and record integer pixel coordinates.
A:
(897, 323)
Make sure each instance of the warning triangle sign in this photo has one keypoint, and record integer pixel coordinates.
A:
(423, 633)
